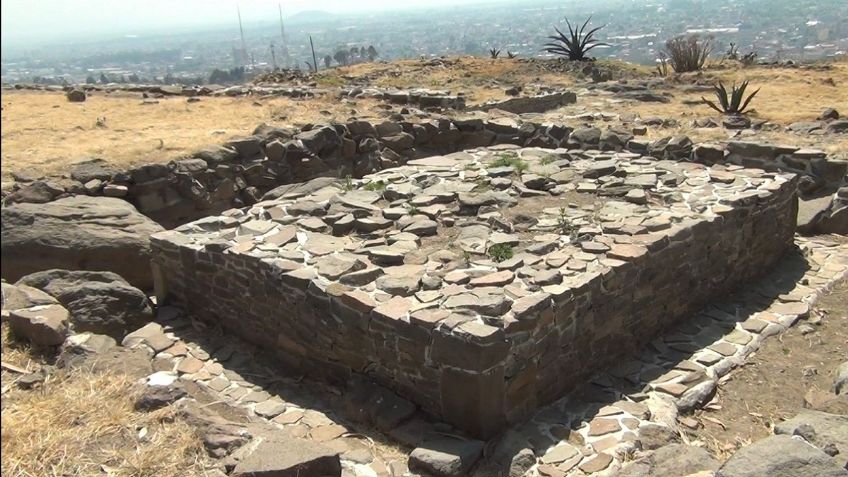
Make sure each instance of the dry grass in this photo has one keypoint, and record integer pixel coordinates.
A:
(45, 132)
(83, 423)
(787, 95)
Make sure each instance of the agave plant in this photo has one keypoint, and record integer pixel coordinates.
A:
(511, 55)
(731, 102)
(494, 53)
(576, 44)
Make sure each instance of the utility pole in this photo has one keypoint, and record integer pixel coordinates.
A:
(314, 60)
(241, 31)
(285, 44)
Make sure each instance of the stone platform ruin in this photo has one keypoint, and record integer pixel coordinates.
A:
(483, 284)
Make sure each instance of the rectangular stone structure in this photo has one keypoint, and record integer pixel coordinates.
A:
(483, 284)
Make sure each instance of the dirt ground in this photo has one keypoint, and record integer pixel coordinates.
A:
(771, 385)
(44, 132)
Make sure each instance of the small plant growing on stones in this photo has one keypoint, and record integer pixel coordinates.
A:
(482, 184)
(576, 44)
(494, 53)
(375, 186)
(566, 226)
(348, 184)
(500, 252)
(510, 159)
(548, 159)
(730, 102)
(466, 257)
(412, 209)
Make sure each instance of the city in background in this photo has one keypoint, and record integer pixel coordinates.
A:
(635, 31)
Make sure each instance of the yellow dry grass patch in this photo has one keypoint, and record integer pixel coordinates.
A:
(45, 132)
(83, 423)
(787, 95)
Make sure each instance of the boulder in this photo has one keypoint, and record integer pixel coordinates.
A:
(823, 215)
(320, 140)
(78, 233)
(826, 431)
(840, 382)
(246, 148)
(446, 457)
(91, 169)
(655, 436)
(38, 192)
(285, 456)
(41, 325)
(838, 126)
(99, 302)
(673, 459)
(214, 155)
(300, 189)
(18, 297)
(77, 349)
(781, 456)
(157, 397)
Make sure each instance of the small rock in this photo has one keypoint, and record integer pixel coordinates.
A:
(76, 96)
(828, 113)
(157, 397)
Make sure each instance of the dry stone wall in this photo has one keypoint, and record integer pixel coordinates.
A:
(242, 171)
(405, 276)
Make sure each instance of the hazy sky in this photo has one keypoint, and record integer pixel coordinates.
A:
(25, 20)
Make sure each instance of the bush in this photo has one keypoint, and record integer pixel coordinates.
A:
(688, 53)
(500, 252)
(576, 44)
(730, 102)
(510, 159)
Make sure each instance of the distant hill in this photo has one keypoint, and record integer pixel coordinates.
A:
(310, 16)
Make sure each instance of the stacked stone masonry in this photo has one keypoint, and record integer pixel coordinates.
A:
(395, 277)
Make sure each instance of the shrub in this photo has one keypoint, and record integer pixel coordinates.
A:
(576, 44)
(749, 58)
(500, 252)
(375, 186)
(662, 65)
(566, 226)
(348, 184)
(510, 160)
(548, 159)
(730, 101)
(688, 53)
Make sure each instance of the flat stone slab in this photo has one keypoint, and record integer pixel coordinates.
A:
(289, 457)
